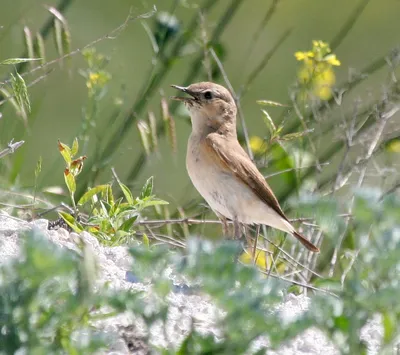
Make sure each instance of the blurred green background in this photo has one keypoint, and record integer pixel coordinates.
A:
(58, 100)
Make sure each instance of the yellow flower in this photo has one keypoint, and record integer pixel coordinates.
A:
(304, 55)
(261, 259)
(323, 92)
(257, 145)
(332, 60)
(325, 77)
(394, 146)
(321, 45)
(94, 77)
(300, 55)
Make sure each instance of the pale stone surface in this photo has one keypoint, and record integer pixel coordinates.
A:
(114, 262)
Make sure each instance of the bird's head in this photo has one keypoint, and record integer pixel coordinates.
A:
(211, 106)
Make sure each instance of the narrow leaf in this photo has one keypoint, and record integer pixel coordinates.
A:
(127, 225)
(70, 181)
(75, 147)
(70, 220)
(389, 326)
(147, 189)
(270, 103)
(65, 152)
(90, 193)
(146, 240)
(18, 60)
(127, 193)
(295, 135)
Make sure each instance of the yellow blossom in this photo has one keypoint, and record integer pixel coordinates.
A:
(332, 60)
(394, 146)
(257, 145)
(261, 259)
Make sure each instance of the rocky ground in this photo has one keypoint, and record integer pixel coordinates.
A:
(128, 334)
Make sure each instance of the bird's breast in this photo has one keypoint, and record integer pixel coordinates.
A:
(219, 187)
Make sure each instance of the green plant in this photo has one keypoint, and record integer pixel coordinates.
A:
(46, 298)
(110, 219)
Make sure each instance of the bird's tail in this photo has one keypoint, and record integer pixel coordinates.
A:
(303, 240)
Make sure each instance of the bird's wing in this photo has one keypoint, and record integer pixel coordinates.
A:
(234, 159)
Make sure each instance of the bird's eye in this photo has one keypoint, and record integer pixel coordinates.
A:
(208, 95)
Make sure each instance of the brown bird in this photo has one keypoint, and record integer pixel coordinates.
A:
(221, 170)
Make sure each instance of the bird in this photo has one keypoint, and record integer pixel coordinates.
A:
(221, 170)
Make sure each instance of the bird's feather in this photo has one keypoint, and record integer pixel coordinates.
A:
(229, 155)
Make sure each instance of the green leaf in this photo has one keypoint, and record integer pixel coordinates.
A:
(389, 326)
(110, 197)
(90, 193)
(75, 147)
(281, 161)
(147, 189)
(65, 152)
(146, 240)
(127, 193)
(18, 60)
(295, 135)
(126, 226)
(70, 181)
(71, 221)
(142, 204)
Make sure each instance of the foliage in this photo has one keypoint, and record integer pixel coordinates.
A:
(48, 312)
(110, 219)
(46, 301)
(320, 125)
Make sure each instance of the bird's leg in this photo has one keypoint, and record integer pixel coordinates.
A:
(236, 226)
(247, 235)
(225, 227)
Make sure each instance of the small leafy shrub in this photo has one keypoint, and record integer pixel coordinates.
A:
(110, 219)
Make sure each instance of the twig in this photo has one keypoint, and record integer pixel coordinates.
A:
(304, 124)
(307, 286)
(292, 169)
(11, 148)
(189, 221)
(111, 35)
(383, 119)
(391, 190)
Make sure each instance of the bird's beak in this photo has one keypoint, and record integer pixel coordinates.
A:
(183, 89)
